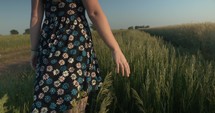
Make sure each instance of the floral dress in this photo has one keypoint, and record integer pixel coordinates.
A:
(67, 67)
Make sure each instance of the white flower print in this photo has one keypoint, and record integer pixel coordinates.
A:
(45, 89)
(72, 5)
(61, 78)
(75, 83)
(79, 72)
(50, 44)
(56, 72)
(88, 73)
(70, 12)
(86, 36)
(35, 110)
(57, 53)
(73, 76)
(78, 65)
(50, 55)
(52, 36)
(61, 62)
(63, 19)
(53, 8)
(90, 67)
(46, 22)
(65, 73)
(67, 21)
(72, 27)
(44, 110)
(88, 54)
(90, 45)
(81, 26)
(45, 76)
(75, 22)
(98, 70)
(53, 111)
(71, 69)
(57, 83)
(93, 74)
(41, 82)
(61, 4)
(86, 45)
(70, 45)
(81, 47)
(60, 91)
(59, 101)
(71, 60)
(41, 95)
(71, 37)
(68, 31)
(49, 68)
(83, 32)
(93, 82)
(79, 19)
(65, 55)
(55, 42)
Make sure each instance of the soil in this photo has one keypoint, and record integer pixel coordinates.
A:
(14, 63)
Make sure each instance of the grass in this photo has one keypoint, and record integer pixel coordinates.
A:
(14, 45)
(189, 37)
(162, 81)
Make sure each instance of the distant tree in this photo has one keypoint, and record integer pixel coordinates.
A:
(14, 32)
(147, 26)
(93, 27)
(142, 27)
(131, 27)
(27, 31)
(136, 27)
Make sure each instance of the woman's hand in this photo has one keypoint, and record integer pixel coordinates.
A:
(33, 62)
(121, 63)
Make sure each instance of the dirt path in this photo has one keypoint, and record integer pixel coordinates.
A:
(14, 61)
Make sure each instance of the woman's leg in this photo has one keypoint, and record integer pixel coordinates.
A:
(80, 108)
(82, 105)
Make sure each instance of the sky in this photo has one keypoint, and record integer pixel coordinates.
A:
(15, 14)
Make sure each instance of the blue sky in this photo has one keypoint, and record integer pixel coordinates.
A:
(121, 13)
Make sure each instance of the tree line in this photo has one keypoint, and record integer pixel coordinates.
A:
(92, 26)
(16, 32)
(139, 27)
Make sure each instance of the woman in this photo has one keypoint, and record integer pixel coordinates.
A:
(63, 56)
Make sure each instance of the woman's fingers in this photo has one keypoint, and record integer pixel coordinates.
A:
(121, 64)
(122, 68)
(127, 69)
(117, 67)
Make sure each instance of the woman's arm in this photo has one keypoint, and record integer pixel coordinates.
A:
(35, 23)
(99, 19)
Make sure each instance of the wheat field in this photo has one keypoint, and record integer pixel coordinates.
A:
(162, 80)
(189, 37)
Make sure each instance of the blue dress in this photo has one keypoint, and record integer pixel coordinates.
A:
(67, 67)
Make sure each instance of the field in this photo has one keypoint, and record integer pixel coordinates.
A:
(191, 38)
(162, 79)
